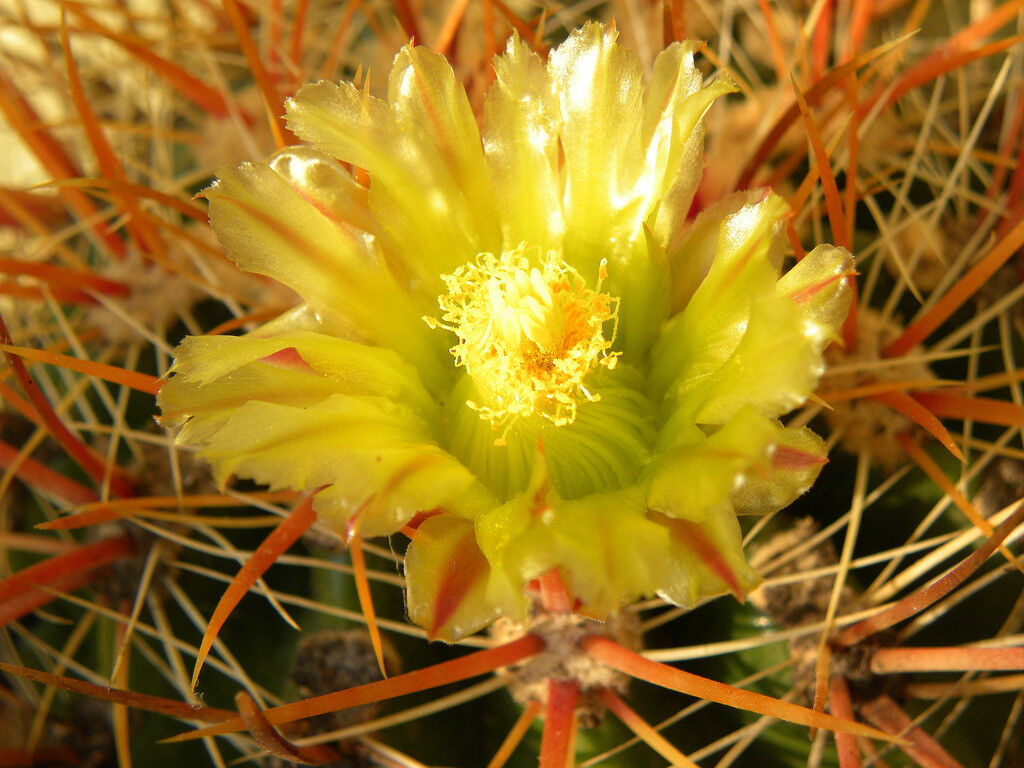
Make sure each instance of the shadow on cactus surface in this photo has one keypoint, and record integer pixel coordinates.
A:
(541, 358)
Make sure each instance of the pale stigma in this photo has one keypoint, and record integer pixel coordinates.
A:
(529, 332)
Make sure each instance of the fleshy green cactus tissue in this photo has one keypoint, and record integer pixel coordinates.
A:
(518, 332)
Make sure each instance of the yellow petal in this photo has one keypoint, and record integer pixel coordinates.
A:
(691, 255)
(372, 461)
(429, 186)
(698, 340)
(638, 274)
(698, 476)
(430, 104)
(600, 91)
(521, 140)
(271, 225)
(447, 578)
(673, 137)
(352, 368)
(712, 554)
(205, 408)
(819, 284)
(797, 457)
(774, 368)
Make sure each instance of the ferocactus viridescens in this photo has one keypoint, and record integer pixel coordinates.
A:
(515, 338)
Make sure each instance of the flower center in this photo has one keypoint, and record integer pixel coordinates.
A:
(528, 335)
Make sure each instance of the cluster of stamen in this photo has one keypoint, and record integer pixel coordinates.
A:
(529, 332)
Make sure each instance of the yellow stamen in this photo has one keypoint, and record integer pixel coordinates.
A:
(528, 335)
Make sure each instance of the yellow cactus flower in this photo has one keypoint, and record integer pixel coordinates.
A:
(515, 339)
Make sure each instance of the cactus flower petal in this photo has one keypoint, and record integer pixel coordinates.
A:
(447, 579)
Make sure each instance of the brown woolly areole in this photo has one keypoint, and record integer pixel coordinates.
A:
(866, 425)
(805, 602)
(563, 660)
